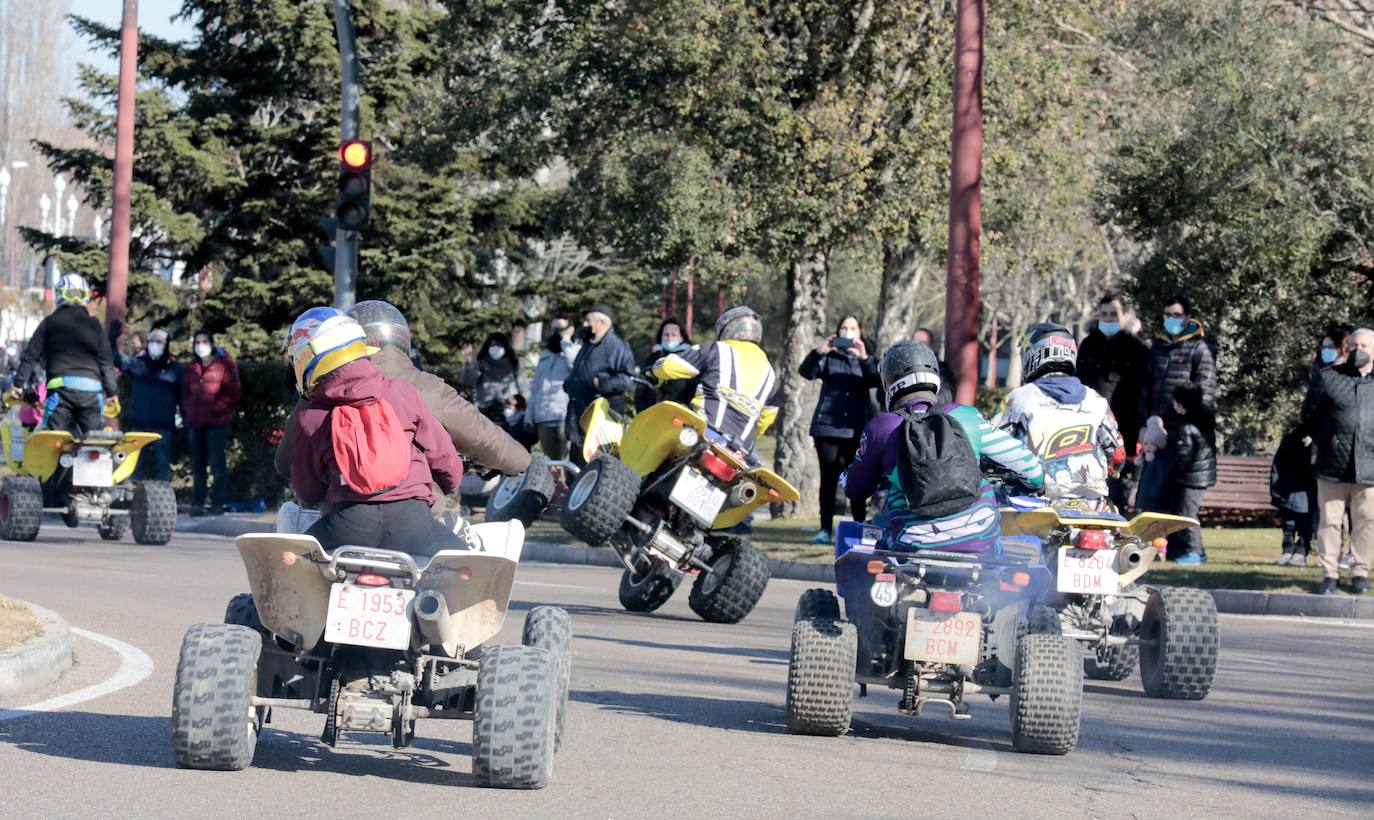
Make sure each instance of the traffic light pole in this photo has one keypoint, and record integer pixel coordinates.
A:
(346, 243)
(965, 201)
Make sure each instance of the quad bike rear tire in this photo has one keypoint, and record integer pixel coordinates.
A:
(154, 512)
(212, 715)
(599, 500)
(1111, 662)
(523, 497)
(820, 677)
(243, 611)
(1179, 641)
(113, 527)
(515, 726)
(739, 575)
(550, 627)
(1044, 620)
(1047, 698)
(817, 603)
(21, 508)
(646, 593)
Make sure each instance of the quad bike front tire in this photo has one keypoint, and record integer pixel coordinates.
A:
(820, 677)
(515, 726)
(113, 527)
(1179, 641)
(550, 627)
(1047, 696)
(154, 512)
(1111, 662)
(648, 592)
(212, 701)
(243, 611)
(599, 500)
(817, 603)
(1044, 620)
(739, 575)
(523, 497)
(21, 508)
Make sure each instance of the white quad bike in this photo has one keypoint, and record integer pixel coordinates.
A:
(375, 639)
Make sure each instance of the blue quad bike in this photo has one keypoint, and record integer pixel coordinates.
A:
(937, 627)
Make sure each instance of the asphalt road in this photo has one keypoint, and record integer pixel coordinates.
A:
(673, 717)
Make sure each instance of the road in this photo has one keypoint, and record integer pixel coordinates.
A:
(673, 717)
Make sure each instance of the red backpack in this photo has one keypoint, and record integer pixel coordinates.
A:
(370, 445)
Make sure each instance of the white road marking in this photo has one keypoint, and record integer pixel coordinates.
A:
(1297, 619)
(979, 760)
(554, 586)
(134, 666)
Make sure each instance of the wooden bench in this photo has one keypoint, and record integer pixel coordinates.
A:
(1242, 484)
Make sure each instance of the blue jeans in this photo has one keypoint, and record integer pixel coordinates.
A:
(207, 450)
(155, 460)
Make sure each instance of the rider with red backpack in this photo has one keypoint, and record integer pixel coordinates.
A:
(366, 447)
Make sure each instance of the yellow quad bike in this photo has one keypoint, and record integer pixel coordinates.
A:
(1097, 559)
(660, 492)
(83, 479)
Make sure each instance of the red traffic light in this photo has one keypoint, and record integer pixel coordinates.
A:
(356, 153)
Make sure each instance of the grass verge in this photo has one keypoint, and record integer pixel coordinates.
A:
(17, 623)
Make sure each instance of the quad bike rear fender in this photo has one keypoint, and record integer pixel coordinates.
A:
(600, 431)
(43, 448)
(653, 435)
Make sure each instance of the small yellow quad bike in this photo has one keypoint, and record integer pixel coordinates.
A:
(83, 479)
(1097, 559)
(660, 492)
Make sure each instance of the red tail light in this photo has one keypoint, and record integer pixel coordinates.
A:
(946, 602)
(368, 579)
(717, 467)
(1093, 540)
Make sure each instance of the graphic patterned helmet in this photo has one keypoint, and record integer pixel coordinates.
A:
(322, 340)
(1048, 348)
(908, 366)
(72, 289)
(384, 325)
(740, 323)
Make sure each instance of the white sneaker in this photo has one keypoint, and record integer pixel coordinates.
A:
(1286, 560)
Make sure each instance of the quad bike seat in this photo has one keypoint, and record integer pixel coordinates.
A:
(1022, 550)
(103, 437)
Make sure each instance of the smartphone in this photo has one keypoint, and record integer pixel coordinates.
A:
(840, 342)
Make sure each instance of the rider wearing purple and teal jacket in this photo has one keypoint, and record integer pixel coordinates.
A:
(911, 380)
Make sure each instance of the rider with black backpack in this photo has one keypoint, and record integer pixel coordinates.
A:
(931, 459)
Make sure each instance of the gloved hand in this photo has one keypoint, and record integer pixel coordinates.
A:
(112, 407)
(14, 395)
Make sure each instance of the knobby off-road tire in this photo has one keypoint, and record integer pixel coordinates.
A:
(1047, 700)
(243, 611)
(1111, 662)
(213, 722)
(599, 500)
(515, 728)
(549, 627)
(21, 508)
(739, 575)
(154, 512)
(645, 593)
(817, 603)
(1178, 659)
(1044, 620)
(523, 497)
(113, 527)
(820, 677)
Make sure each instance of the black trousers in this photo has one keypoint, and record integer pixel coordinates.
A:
(405, 526)
(835, 454)
(77, 411)
(1187, 501)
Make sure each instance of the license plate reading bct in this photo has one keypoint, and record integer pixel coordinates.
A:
(697, 496)
(369, 616)
(1089, 572)
(943, 637)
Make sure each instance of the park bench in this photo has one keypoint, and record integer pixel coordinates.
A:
(1242, 487)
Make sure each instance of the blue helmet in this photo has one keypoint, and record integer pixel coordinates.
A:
(72, 289)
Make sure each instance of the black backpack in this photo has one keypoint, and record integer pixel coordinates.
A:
(936, 469)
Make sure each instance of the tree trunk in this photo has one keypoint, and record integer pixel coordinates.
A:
(795, 460)
(904, 267)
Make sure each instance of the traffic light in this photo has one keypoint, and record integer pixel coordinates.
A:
(355, 184)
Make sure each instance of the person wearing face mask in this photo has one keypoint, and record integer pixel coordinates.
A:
(1112, 361)
(1180, 355)
(494, 374)
(158, 381)
(210, 398)
(603, 368)
(1331, 350)
(513, 421)
(548, 403)
(671, 339)
(847, 365)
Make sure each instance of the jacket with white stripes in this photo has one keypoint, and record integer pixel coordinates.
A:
(737, 386)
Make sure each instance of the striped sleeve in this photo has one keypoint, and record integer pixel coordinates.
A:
(1010, 454)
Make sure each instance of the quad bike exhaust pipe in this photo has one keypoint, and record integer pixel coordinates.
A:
(743, 493)
(431, 615)
(1129, 557)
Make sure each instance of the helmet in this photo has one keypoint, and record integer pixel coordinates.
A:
(72, 289)
(1047, 348)
(908, 366)
(740, 323)
(383, 324)
(322, 340)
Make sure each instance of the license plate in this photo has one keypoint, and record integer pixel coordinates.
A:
(697, 496)
(1088, 572)
(94, 467)
(369, 616)
(943, 637)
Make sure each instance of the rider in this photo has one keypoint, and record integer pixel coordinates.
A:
(1064, 422)
(910, 375)
(737, 382)
(74, 351)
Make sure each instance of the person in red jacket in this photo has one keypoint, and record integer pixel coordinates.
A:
(211, 396)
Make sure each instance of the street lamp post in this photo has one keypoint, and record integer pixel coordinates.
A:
(6, 224)
(58, 186)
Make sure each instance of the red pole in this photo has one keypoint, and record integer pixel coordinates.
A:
(965, 201)
(117, 287)
(720, 300)
(691, 281)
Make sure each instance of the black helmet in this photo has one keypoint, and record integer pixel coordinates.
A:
(741, 323)
(383, 324)
(906, 368)
(1048, 348)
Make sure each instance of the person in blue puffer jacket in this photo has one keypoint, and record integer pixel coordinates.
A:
(158, 381)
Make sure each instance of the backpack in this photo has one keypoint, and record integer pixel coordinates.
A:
(937, 469)
(371, 447)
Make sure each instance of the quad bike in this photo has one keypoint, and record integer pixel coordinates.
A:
(1099, 557)
(660, 492)
(84, 479)
(375, 639)
(938, 626)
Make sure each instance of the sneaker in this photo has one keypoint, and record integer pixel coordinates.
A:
(1359, 586)
(1287, 560)
(1327, 586)
(1192, 559)
(821, 537)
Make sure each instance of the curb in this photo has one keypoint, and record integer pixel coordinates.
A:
(222, 525)
(40, 661)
